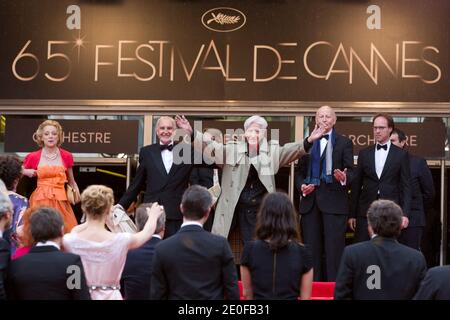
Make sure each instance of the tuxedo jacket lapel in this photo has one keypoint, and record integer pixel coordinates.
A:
(157, 159)
(389, 160)
(372, 161)
(173, 169)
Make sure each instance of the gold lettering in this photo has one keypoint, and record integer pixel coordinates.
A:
(228, 67)
(336, 56)
(438, 76)
(98, 137)
(293, 44)
(255, 63)
(161, 55)
(219, 60)
(412, 141)
(146, 62)
(404, 60)
(361, 140)
(107, 137)
(98, 63)
(352, 137)
(189, 74)
(305, 59)
(120, 59)
(374, 59)
(83, 137)
(66, 137)
(75, 137)
(369, 72)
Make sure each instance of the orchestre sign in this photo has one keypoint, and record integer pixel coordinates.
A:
(83, 136)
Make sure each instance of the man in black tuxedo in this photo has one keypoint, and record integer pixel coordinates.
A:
(164, 179)
(436, 285)
(46, 273)
(6, 210)
(422, 194)
(381, 268)
(382, 173)
(194, 264)
(138, 268)
(322, 179)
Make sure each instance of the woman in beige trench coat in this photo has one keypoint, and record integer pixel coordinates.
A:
(236, 159)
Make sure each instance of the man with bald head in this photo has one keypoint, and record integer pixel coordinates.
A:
(322, 179)
(164, 181)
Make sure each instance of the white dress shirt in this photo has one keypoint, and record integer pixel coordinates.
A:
(324, 142)
(48, 243)
(191, 223)
(167, 158)
(380, 158)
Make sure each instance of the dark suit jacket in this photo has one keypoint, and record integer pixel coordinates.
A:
(137, 272)
(436, 285)
(166, 189)
(4, 262)
(400, 268)
(330, 198)
(422, 189)
(202, 176)
(42, 274)
(394, 183)
(194, 264)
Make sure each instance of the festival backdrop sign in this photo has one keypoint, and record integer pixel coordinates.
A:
(294, 50)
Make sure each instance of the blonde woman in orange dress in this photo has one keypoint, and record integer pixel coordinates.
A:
(53, 167)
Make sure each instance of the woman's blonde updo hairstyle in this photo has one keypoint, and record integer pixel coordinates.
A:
(96, 200)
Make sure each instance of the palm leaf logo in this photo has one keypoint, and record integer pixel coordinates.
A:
(222, 19)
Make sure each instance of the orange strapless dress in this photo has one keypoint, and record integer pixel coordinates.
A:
(50, 192)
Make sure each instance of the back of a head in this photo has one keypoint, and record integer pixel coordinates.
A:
(46, 224)
(385, 218)
(96, 200)
(277, 221)
(196, 202)
(401, 135)
(141, 217)
(10, 170)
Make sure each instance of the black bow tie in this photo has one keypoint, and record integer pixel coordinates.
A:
(166, 147)
(325, 136)
(382, 146)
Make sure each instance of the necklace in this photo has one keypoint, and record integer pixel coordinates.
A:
(51, 156)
